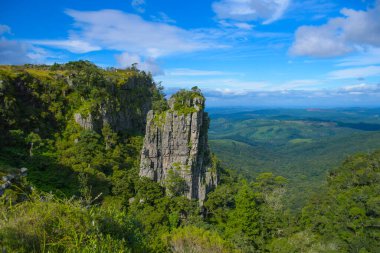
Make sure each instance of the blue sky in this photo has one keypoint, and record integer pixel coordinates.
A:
(288, 53)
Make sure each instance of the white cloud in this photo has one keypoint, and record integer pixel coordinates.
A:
(243, 25)
(149, 65)
(162, 17)
(355, 95)
(116, 30)
(311, 9)
(320, 41)
(304, 84)
(13, 52)
(135, 38)
(355, 72)
(4, 29)
(307, 92)
(75, 46)
(339, 35)
(362, 27)
(138, 5)
(370, 56)
(40, 55)
(16, 52)
(362, 87)
(249, 10)
(231, 92)
(239, 25)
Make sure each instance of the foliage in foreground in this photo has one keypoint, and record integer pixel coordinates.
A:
(240, 217)
(47, 224)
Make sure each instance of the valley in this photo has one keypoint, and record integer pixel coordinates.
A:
(302, 145)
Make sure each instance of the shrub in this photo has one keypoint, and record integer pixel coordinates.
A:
(47, 224)
(196, 240)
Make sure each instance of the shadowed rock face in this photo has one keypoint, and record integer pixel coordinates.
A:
(176, 150)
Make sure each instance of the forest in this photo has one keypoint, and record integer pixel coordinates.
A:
(302, 145)
(75, 184)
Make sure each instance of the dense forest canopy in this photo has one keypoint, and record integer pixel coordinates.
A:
(78, 129)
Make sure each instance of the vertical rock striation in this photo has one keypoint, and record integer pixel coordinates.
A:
(176, 151)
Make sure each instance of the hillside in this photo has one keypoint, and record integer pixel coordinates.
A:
(73, 138)
(301, 145)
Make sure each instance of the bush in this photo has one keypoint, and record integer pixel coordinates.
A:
(196, 240)
(47, 224)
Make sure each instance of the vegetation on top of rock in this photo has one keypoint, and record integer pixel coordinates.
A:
(182, 102)
(187, 101)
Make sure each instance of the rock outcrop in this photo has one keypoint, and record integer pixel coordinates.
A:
(10, 179)
(176, 152)
(125, 108)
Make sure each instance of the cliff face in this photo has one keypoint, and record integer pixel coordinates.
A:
(46, 98)
(124, 108)
(176, 151)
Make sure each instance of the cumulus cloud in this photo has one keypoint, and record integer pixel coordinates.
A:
(249, 10)
(320, 41)
(362, 27)
(116, 30)
(135, 38)
(339, 35)
(149, 65)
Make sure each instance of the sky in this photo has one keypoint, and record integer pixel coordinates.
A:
(250, 53)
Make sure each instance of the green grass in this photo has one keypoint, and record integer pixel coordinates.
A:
(48, 224)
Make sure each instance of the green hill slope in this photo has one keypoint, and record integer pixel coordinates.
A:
(296, 147)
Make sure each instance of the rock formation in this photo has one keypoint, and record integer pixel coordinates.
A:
(176, 152)
(125, 109)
